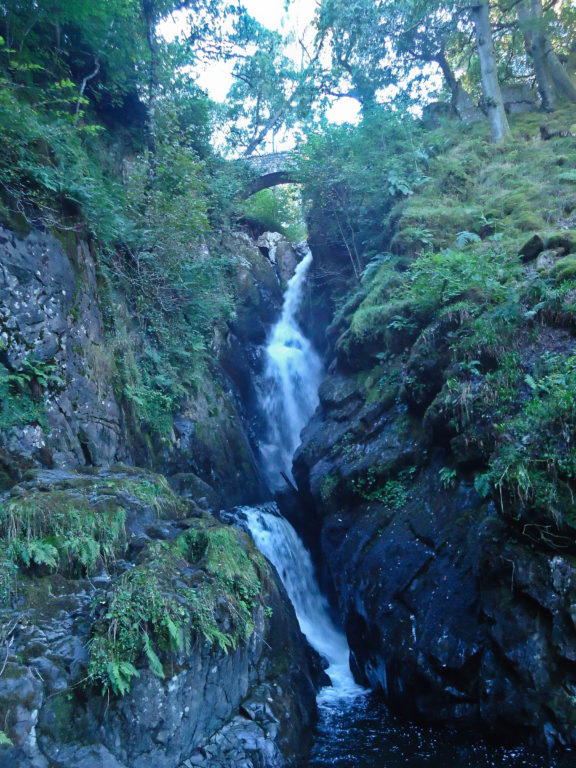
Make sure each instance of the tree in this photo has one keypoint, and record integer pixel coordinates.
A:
(535, 50)
(545, 59)
(358, 37)
(271, 90)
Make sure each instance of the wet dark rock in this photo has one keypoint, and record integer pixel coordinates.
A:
(49, 311)
(53, 301)
(459, 613)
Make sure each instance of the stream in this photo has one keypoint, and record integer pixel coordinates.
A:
(355, 729)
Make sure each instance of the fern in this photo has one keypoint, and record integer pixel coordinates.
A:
(43, 553)
(153, 661)
(212, 635)
(120, 674)
(464, 238)
(374, 265)
(175, 633)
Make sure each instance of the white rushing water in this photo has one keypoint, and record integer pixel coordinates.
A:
(288, 398)
(289, 386)
(279, 542)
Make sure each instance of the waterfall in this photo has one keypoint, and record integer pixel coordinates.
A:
(288, 397)
(279, 542)
(288, 390)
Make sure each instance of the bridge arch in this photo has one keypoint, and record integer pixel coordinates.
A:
(270, 180)
(271, 170)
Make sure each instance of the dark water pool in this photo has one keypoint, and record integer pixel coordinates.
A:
(362, 734)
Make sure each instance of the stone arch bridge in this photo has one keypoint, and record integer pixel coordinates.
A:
(270, 170)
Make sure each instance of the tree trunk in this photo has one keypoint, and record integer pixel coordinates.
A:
(490, 86)
(534, 45)
(562, 82)
(461, 103)
(561, 79)
(451, 80)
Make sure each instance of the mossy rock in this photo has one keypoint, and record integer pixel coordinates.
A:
(73, 523)
(566, 240)
(206, 584)
(564, 269)
(531, 249)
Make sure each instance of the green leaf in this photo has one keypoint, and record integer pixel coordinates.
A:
(176, 634)
(42, 553)
(3, 738)
(483, 485)
(120, 673)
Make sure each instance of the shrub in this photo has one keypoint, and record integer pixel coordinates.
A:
(277, 210)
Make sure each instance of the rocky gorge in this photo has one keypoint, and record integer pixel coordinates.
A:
(454, 582)
(380, 353)
(437, 475)
(104, 565)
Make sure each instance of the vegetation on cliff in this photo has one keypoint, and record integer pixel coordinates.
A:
(465, 301)
(74, 524)
(205, 584)
(107, 136)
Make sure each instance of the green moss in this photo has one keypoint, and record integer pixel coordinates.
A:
(206, 584)
(471, 185)
(476, 292)
(153, 490)
(328, 488)
(565, 239)
(78, 525)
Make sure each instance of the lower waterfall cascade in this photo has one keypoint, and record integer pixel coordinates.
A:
(355, 729)
(289, 395)
(279, 542)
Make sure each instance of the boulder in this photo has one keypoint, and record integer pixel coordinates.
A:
(531, 249)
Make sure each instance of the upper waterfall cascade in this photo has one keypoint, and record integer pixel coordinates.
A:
(289, 386)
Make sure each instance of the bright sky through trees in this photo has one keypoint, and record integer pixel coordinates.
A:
(216, 78)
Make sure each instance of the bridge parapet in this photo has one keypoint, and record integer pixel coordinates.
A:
(273, 162)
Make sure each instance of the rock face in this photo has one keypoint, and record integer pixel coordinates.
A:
(458, 608)
(251, 705)
(50, 316)
(61, 360)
